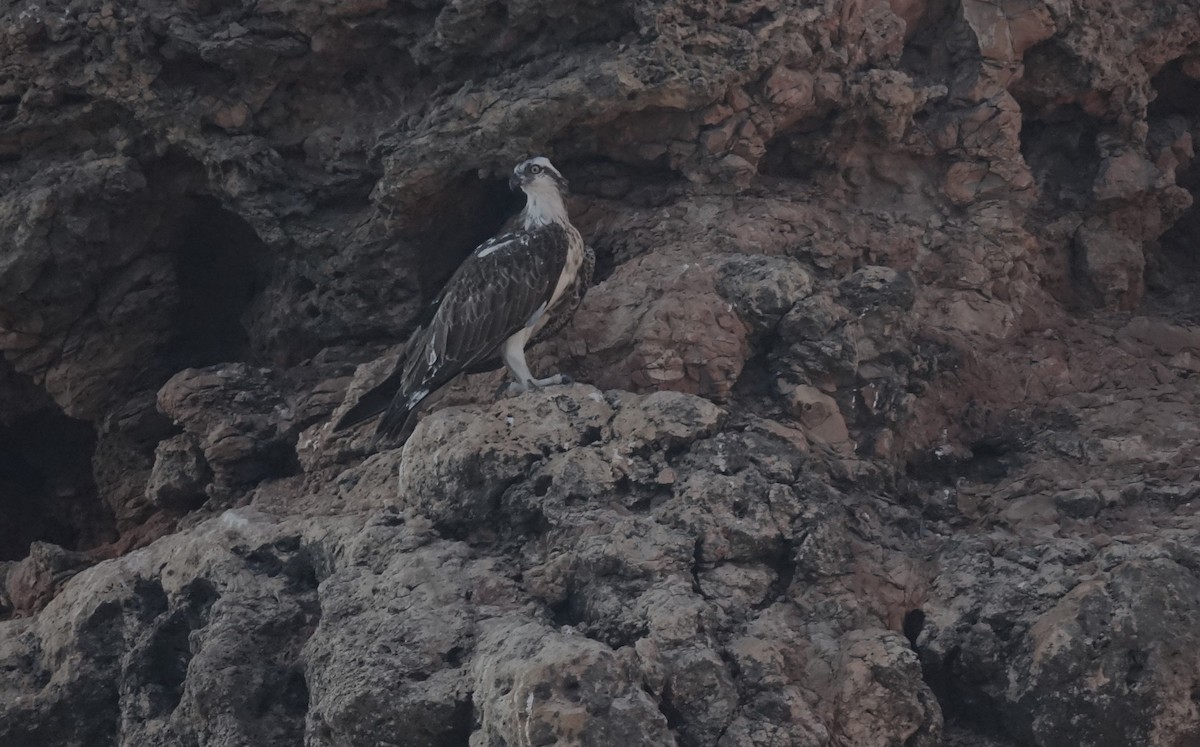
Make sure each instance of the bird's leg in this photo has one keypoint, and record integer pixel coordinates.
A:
(552, 380)
(512, 388)
(513, 353)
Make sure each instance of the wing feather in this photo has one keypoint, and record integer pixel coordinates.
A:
(372, 402)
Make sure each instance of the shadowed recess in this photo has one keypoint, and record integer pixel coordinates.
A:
(222, 266)
(1173, 267)
(450, 225)
(46, 488)
(1061, 151)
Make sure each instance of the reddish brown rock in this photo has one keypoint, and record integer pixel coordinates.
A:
(659, 324)
(30, 584)
(237, 419)
(886, 423)
(1113, 264)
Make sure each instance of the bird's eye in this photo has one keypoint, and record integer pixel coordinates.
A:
(535, 169)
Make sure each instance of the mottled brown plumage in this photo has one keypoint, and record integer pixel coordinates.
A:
(564, 309)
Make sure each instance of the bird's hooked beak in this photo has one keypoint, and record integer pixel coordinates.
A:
(514, 182)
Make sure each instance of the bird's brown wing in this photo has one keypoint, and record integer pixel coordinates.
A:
(490, 297)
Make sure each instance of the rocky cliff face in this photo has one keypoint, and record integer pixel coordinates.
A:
(887, 430)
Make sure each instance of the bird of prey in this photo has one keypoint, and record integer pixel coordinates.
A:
(520, 285)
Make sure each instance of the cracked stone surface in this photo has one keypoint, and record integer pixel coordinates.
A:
(886, 423)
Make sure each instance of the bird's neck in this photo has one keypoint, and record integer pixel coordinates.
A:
(542, 207)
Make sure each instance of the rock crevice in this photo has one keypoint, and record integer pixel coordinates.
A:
(886, 430)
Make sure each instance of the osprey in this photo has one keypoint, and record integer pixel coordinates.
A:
(523, 284)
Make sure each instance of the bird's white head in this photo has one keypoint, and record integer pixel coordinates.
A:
(543, 187)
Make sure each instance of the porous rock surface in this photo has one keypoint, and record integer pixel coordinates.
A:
(888, 416)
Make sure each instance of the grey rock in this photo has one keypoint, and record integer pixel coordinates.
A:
(1081, 503)
(832, 241)
(540, 686)
(180, 474)
(763, 288)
